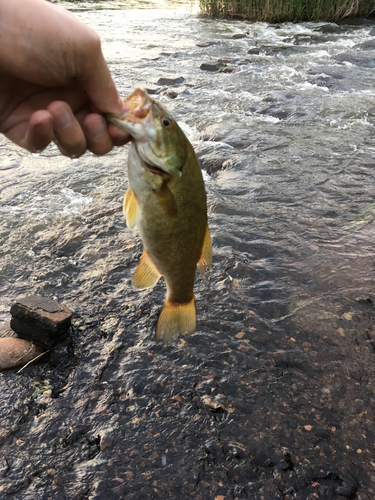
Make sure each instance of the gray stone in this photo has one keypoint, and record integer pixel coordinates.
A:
(40, 320)
(152, 90)
(238, 36)
(227, 70)
(171, 94)
(211, 66)
(206, 44)
(171, 81)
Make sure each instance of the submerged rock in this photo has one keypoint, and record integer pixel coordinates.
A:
(152, 90)
(171, 94)
(15, 353)
(212, 66)
(206, 44)
(255, 51)
(40, 320)
(171, 81)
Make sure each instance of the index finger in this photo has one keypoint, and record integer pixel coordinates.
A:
(95, 77)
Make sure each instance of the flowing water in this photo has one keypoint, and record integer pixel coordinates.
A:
(285, 137)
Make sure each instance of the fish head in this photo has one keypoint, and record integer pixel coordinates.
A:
(158, 139)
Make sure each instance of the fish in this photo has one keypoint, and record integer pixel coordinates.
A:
(166, 200)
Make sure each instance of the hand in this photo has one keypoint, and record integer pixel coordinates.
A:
(54, 81)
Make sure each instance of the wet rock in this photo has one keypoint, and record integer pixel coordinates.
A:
(152, 90)
(266, 50)
(15, 353)
(206, 44)
(216, 157)
(212, 66)
(255, 51)
(239, 36)
(171, 94)
(346, 491)
(304, 40)
(169, 81)
(228, 61)
(286, 463)
(40, 320)
(329, 28)
(280, 114)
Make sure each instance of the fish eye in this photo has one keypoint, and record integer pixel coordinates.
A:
(167, 122)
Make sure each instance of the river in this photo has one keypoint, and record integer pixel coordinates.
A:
(283, 358)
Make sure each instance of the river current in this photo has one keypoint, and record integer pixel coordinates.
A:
(282, 362)
(286, 140)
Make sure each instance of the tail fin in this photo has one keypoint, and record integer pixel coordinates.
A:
(176, 319)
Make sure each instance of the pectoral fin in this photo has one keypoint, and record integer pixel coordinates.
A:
(167, 200)
(206, 257)
(146, 274)
(131, 208)
(176, 319)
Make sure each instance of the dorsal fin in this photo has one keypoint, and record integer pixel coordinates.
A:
(131, 208)
(206, 256)
(146, 274)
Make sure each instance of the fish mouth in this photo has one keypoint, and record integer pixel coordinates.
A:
(157, 171)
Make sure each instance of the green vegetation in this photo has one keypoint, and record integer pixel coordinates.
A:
(288, 10)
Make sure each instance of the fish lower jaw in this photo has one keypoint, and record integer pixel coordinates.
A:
(157, 171)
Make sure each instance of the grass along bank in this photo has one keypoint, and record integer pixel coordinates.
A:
(288, 10)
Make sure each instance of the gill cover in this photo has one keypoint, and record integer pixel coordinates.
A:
(158, 139)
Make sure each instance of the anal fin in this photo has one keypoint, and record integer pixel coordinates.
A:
(176, 319)
(206, 257)
(131, 208)
(146, 274)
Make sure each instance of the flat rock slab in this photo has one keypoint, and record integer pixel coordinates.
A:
(206, 44)
(152, 90)
(212, 66)
(40, 302)
(15, 353)
(40, 320)
(171, 81)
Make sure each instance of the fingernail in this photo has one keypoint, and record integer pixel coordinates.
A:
(63, 120)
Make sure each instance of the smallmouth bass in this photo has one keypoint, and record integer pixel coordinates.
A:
(166, 199)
